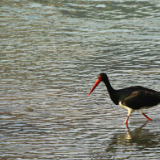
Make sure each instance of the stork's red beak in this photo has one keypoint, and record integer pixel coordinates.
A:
(95, 85)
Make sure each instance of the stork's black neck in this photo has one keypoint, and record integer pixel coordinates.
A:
(112, 92)
(108, 85)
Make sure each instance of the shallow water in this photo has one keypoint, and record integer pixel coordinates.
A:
(51, 53)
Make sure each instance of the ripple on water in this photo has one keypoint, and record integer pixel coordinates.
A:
(50, 61)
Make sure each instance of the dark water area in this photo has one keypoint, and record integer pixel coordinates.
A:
(50, 55)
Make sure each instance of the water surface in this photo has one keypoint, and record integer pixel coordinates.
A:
(51, 53)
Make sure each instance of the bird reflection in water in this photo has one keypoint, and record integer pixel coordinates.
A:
(137, 128)
(140, 137)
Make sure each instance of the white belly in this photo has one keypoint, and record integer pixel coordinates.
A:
(130, 110)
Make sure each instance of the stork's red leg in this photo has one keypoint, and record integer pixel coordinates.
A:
(147, 117)
(126, 121)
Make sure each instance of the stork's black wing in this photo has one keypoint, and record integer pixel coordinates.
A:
(140, 98)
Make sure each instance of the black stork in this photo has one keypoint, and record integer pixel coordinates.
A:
(131, 98)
